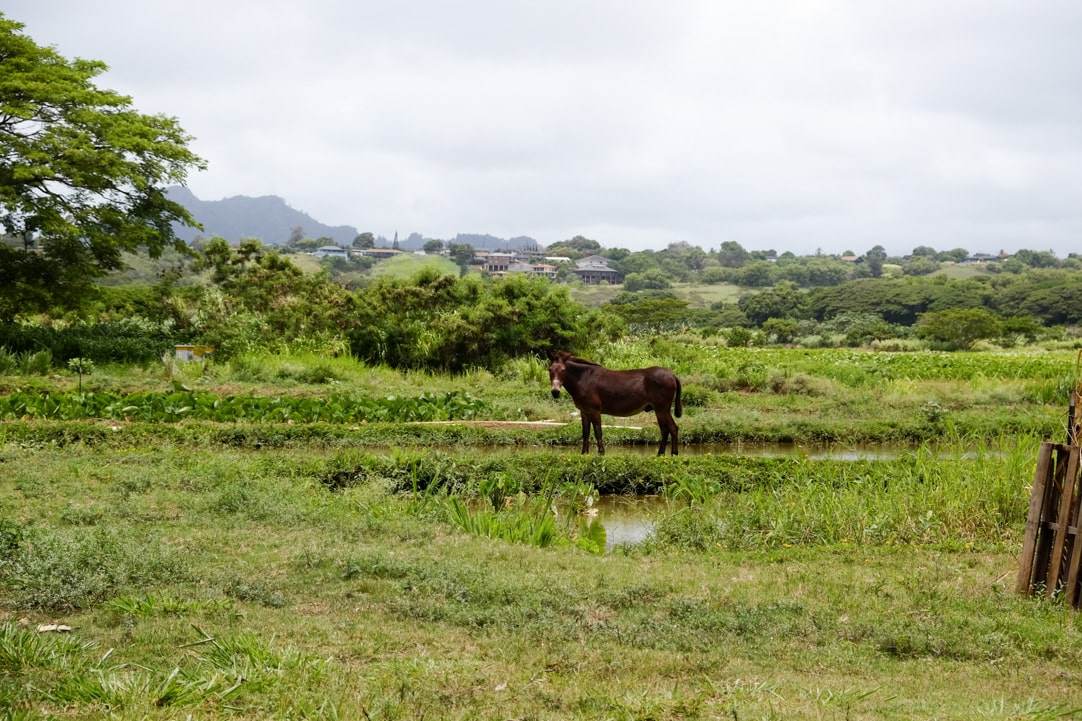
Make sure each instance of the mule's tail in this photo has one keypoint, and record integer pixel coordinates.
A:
(679, 405)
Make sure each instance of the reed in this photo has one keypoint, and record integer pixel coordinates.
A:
(951, 498)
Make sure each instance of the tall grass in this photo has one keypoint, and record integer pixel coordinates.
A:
(532, 523)
(964, 499)
(27, 363)
(65, 570)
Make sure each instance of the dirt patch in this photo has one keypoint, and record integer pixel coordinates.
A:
(496, 425)
(507, 425)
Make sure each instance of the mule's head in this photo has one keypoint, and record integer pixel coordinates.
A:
(557, 369)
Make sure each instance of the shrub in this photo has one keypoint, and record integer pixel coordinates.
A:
(739, 337)
(959, 328)
(52, 571)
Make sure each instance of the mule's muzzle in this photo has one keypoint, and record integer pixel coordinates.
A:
(555, 393)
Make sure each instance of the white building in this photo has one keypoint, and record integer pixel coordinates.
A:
(331, 251)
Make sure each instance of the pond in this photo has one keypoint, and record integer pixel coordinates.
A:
(774, 450)
(630, 519)
(627, 519)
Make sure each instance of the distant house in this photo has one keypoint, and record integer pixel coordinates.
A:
(543, 270)
(595, 269)
(380, 253)
(982, 258)
(499, 262)
(331, 251)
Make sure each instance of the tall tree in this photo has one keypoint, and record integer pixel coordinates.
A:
(82, 175)
(732, 254)
(874, 259)
(462, 255)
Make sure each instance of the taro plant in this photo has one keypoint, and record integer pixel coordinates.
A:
(592, 536)
(497, 488)
(690, 488)
(184, 403)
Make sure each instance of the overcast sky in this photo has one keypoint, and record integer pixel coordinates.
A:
(799, 125)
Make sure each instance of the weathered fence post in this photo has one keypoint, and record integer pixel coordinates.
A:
(1051, 549)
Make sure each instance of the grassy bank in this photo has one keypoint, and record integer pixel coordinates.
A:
(729, 395)
(242, 583)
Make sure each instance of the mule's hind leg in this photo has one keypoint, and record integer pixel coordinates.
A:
(597, 435)
(585, 434)
(663, 426)
(668, 428)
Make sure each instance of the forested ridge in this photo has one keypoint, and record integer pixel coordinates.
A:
(252, 297)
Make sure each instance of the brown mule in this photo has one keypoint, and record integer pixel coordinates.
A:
(596, 390)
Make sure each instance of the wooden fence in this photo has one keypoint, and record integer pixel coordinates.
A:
(1051, 550)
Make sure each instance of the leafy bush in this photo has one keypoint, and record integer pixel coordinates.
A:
(440, 322)
(133, 341)
(739, 337)
(959, 328)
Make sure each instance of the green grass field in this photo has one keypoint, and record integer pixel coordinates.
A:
(697, 295)
(409, 264)
(240, 569)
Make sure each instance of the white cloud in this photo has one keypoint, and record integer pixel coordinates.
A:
(786, 124)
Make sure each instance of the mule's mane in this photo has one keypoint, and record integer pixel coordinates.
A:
(582, 361)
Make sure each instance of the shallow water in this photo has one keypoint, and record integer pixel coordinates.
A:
(773, 450)
(627, 519)
(630, 519)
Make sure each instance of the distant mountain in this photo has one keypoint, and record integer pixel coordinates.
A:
(268, 218)
(490, 242)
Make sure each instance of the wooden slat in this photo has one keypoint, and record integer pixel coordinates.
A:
(1063, 517)
(1052, 493)
(1072, 596)
(1033, 519)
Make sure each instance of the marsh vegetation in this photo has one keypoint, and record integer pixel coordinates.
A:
(217, 556)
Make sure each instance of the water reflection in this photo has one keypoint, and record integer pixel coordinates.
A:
(810, 451)
(627, 519)
(773, 450)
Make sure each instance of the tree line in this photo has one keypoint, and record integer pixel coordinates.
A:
(82, 187)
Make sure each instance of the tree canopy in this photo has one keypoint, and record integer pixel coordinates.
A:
(82, 175)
